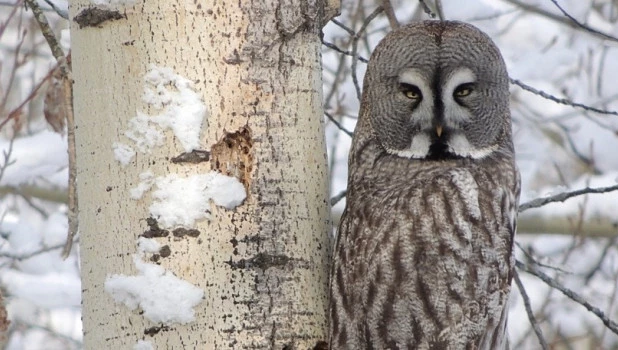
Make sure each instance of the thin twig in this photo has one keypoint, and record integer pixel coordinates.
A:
(338, 125)
(49, 35)
(611, 243)
(3, 25)
(390, 14)
(561, 197)
(581, 25)
(588, 161)
(33, 205)
(7, 157)
(426, 8)
(533, 260)
(67, 81)
(357, 36)
(24, 256)
(17, 110)
(343, 26)
(560, 19)
(16, 62)
(531, 269)
(73, 208)
(533, 321)
(62, 13)
(440, 10)
(341, 195)
(560, 100)
(347, 53)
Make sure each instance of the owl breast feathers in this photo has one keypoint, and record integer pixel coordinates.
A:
(423, 255)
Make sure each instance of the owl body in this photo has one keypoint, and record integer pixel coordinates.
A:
(423, 256)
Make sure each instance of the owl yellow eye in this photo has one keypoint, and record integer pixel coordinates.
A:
(410, 91)
(463, 90)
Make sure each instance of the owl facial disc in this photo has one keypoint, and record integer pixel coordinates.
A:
(440, 113)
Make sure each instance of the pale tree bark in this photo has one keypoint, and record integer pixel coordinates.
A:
(263, 265)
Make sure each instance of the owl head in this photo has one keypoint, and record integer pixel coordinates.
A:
(435, 90)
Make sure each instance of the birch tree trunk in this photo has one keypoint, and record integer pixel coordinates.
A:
(263, 265)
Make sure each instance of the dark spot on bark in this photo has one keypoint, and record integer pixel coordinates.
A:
(194, 157)
(265, 261)
(154, 230)
(108, 188)
(165, 251)
(233, 59)
(155, 258)
(155, 329)
(181, 232)
(94, 16)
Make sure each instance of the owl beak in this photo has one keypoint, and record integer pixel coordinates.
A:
(439, 130)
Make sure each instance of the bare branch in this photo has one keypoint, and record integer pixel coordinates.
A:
(337, 124)
(49, 35)
(62, 13)
(569, 21)
(64, 62)
(24, 256)
(334, 200)
(533, 322)
(531, 269)
(21, 36)
(73, 208)
(440, 10)
(426, 9)
(390, 14)
(560, 100)
(357, 37)
(7, 157)
(611, 243)
(532, 259)
(561, 197)
(343, 26)
(347, 53)
(4, 24)
(583, 26)
(17, 110)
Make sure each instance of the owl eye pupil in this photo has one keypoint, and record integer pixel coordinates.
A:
(463, 90)
(410, 91)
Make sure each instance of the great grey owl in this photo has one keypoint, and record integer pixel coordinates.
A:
(423, 256)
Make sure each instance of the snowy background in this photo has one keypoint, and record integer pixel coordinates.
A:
(559, 148)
